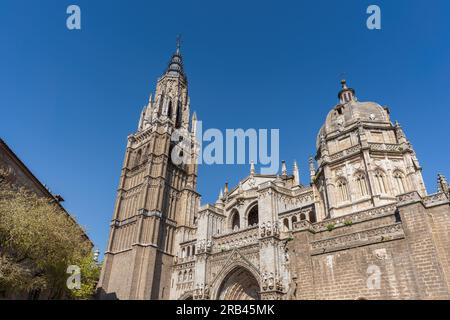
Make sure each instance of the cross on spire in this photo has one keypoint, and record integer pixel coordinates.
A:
(178, 43)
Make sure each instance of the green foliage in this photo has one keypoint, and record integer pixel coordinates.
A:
(330, 226)
(348, 222)
(38, 241)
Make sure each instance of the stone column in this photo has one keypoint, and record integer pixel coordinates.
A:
(272, 287)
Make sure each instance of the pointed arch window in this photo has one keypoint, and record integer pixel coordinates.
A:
(400, 182)
(253, 216)
(235, 221)
(380, 181)
(293, 220)
(361, 184)
(169, 110)
(137, 160)
(286, 224)
(179, 116)
(343, 190)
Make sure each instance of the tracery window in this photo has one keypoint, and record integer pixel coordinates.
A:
(361, 184)
(380, 181)
(342, 187)
(400, 182)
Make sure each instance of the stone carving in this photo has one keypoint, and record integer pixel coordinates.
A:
(201, 291)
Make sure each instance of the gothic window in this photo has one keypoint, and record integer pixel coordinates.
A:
(137, 160)
(190, 274)
(169, 110)
(293, 220)
(161, 102)
(183, 253)
(343, 190)
(399, 179)
(185, 275)
(253, 216)
(380, 181)
(193, 249)
(188, 251)
(312, 216)
(235, 223)
(179, 116)
(180, 276)
(302, 216)
(286, 224)
(361, 184)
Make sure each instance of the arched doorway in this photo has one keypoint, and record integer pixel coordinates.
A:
(239, 284)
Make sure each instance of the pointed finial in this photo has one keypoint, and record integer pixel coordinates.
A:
(225, 190)
(220, 194)
(442, 183)
(283, 168)
(296, 173)
(252, 168)
(312, 169)
(96, 255)
(344, 84)
(178, 43)
(150, 98)
(194, 123)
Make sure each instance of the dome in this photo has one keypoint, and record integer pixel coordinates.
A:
(350, 112)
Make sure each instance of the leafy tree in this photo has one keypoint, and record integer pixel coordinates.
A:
(38, 241)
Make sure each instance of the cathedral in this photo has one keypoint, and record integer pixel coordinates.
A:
(362, 227)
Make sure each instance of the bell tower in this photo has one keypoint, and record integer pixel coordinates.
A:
(156, 199)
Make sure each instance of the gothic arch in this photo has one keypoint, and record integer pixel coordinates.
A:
(235, 219)
(380, 181)
(401, 184)
(252, 214)
(239, 281)
(361, 183)
(342, 189)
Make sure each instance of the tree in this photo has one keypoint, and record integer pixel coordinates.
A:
(38, 241)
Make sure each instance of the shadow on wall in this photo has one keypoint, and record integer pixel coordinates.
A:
(102, 295)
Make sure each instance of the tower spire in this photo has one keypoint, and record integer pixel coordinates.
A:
(175, 66)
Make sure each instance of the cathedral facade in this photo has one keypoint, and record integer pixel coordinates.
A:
(362, 227)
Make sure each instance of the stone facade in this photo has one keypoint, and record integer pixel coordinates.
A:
(363, 227)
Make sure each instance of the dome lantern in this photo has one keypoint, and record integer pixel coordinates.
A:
(346, 94)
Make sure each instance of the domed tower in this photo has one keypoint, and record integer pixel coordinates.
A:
(364, 160)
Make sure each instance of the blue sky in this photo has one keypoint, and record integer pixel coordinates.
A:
(68, 99)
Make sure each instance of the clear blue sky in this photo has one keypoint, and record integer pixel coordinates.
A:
(68, 99)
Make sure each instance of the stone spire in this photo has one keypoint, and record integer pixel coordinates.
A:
(219, 198)
(312, 169)
(225, 190)
(399, 133)
(442, 184)
(175, 66)
(296, 174)
(194, 124)
(346, 94)
(283, 168)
